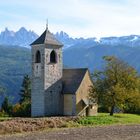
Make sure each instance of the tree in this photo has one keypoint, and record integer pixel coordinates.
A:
(23, 108)
(117, 85)
(25, 92)
(6, 106)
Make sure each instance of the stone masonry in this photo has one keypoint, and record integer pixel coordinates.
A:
(46, 97)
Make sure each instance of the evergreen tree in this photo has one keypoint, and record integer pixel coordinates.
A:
(6, 106)
(23, 108)
(25, 92)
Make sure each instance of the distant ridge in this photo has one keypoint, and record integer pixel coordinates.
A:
(22, 37)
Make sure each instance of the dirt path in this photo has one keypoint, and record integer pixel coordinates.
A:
(119, 132)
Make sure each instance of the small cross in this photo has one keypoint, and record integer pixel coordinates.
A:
(46, 24)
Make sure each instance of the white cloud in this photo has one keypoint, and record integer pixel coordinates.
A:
(77, 17)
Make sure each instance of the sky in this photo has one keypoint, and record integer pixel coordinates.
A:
(78, 18)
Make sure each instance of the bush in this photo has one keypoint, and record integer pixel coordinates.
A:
(3, 114)
(22, 110)
(132, 108)
(7, 106)
(103, 109)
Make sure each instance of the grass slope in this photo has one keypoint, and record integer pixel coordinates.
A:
(20, 125)
(105, 119)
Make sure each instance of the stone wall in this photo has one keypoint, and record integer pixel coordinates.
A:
(46, 95)
(54, 100)
(53, 83)
(92, 110)
(53, 71)
(37, 92)
(69, 104)
(79, 107)
(82, 95)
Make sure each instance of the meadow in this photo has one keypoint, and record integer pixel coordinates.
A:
(106, 119)
(19, 124)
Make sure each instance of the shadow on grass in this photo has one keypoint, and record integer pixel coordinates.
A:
(118, 116)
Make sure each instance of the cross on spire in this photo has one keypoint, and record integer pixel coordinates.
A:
(47, 25)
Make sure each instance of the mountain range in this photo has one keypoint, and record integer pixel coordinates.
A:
(24, 38)
(81, 52)
(15, 54)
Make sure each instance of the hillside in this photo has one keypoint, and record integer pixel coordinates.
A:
(15, 61)
(14, 64)
(91, 57)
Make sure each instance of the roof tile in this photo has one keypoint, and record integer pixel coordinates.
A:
(47, 38)
(72, 79)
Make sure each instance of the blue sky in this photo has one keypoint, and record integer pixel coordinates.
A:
(79, 18)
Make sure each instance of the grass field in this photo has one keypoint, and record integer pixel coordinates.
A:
(19, 125)
(106, 119)
(5, 118)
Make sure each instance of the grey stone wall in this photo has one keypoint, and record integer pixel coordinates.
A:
(53, 83)
(54, 100)
(46, 94)
(74, 105)
(37, 92)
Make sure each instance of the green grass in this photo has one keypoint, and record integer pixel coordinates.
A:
(106, 119)
(4, 118)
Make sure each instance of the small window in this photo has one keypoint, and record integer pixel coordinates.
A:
(53, 57)
(38, 57)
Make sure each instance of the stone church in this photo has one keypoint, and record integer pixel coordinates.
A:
(57, 91)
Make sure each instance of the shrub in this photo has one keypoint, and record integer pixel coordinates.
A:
(22, 110)
(7, 106)
(3, 114)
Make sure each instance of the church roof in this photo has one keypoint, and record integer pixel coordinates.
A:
(72, 79)
(47, 38)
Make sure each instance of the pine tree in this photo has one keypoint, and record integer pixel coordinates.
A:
(25, 92)
(23, 108)
(6, 106)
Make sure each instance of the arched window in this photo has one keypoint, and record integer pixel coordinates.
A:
(53, 57)
(38, 57)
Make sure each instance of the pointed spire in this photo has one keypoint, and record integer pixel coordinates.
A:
(46, 29)
(47, 38)
(46, 25)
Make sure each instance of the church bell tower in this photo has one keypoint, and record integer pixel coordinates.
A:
(46, 94)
